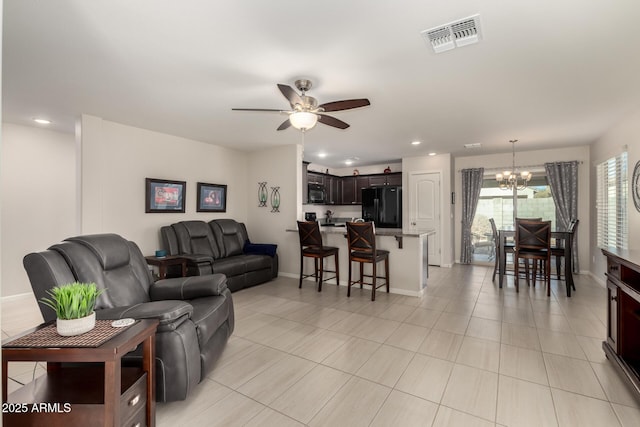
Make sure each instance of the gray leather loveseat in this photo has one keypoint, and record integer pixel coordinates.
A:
(221, 246)
(195, 313)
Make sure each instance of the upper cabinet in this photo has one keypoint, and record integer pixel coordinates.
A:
(352, 189)
(333, 189)
(386, 179)
(346, 190)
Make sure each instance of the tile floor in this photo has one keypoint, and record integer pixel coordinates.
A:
(465, 354)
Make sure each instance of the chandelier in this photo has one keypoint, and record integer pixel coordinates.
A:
(510, 179)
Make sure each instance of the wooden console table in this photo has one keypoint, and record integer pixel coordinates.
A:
(163, 262)
(87, 393)
(622, 346)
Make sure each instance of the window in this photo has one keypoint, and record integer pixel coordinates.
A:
(611, 202)
(535, 201)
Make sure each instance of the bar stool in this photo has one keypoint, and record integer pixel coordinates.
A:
(311, 247)
(362, 249)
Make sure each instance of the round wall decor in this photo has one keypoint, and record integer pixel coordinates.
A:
(635, 186)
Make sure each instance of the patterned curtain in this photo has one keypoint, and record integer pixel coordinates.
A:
(471, 186)
(563, 180)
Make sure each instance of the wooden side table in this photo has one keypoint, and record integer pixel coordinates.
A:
(87, 393)
(163, 262)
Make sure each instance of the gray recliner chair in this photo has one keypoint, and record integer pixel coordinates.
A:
(195, 313)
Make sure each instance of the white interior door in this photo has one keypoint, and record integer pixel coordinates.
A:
(424, 209)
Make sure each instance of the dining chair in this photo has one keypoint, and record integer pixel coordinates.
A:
(508, 248)
(533, 242)
(361, 239)
(311, 247)
(558, 249)
(526, 262)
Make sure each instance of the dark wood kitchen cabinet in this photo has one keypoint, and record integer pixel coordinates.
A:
(348, 184)
(622, 346)
(352, 189)
(333, 189)
(345, 190)
(385, 179)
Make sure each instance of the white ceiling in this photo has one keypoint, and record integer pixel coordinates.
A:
(548, 72)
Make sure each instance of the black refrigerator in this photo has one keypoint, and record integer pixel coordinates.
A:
(383, 206)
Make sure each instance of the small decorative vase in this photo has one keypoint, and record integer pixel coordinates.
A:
(71, 327)
(275, 199)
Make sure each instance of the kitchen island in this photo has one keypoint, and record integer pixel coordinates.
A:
(408, 256)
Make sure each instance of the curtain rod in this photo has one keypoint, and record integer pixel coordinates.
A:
(540, 167)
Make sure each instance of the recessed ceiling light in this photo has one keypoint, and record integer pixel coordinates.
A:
(350, 160)
(432, 154)
(474, 145)
(42, 121)
(415, 142)
(323, 155)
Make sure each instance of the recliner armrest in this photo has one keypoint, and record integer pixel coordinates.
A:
(170, 312)
(197, 258)
(186, 288)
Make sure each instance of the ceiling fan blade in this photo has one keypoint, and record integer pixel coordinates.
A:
(258, 109)
(332, 121)
(284, 125)
(290, 94)
(347, 104)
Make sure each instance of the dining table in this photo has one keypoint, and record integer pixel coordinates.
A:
(560, 234)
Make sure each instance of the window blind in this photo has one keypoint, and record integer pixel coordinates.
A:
(611, 202)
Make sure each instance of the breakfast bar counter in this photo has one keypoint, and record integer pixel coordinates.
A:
(408, 256)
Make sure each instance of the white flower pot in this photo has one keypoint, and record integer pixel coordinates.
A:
(71, 327)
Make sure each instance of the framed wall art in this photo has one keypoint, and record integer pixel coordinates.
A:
(162, 195)
(211, 197)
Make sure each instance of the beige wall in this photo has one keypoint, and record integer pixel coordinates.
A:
(279, 167)
(501, 161)
(40, 176)
(116, 159)
(624, 136)
(37, 175)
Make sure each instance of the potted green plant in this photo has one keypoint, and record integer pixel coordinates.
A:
(73, 304)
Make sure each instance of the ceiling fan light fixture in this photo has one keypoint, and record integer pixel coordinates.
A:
(303, 120)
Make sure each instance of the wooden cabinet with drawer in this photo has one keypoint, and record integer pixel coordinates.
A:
(85, 386)
(622, 345)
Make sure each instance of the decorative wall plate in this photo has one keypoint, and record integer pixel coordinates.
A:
(635, 186)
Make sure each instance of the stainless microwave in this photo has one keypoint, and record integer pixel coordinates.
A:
(317, 194)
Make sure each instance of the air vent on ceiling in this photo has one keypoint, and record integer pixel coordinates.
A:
(454, 34)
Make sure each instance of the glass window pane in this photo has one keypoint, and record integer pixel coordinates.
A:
(534, 201)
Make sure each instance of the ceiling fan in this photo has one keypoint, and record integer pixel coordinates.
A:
(305, 111)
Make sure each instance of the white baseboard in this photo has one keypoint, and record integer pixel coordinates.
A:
(16, 297)
(598, 279)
